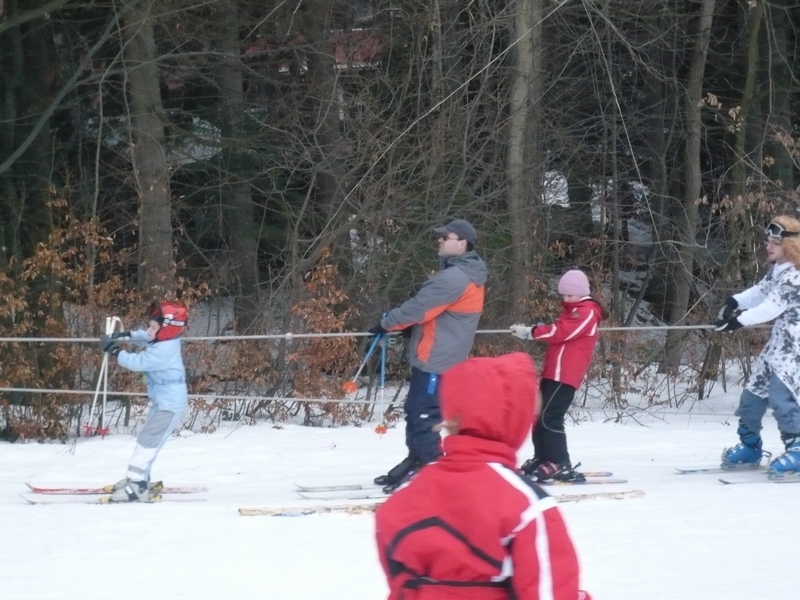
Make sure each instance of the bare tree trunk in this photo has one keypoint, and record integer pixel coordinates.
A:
(151, 175)
(524, 162)
(26, 79)
(237, 195)
(330, 149)
(12, 78)
(689, 217)
(660, 106)
(738, 188)
(438, 91)
(740, 162)
(616, 240)
(780, 77)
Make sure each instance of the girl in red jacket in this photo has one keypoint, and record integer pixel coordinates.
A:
(571, 341)
(469, 525)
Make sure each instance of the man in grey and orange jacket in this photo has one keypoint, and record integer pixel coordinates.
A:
(443, 318)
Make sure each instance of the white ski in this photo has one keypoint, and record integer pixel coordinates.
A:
(717, 470)
(337, 505)
(87, 499)
(303, 511)
(790, 478)
(335, 488)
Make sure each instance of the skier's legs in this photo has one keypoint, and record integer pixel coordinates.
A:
(556, 399)
(748, 453)
(400, 471)
(784, 406)
(414, 386)
(156, 431)
(539, 448)
(422, 413)
(750, 412)
(540, 451)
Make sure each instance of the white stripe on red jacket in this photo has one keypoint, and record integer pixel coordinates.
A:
(571, 341)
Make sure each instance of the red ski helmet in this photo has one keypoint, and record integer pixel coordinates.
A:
(172, 316)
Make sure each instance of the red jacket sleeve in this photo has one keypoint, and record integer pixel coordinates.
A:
(569, 326)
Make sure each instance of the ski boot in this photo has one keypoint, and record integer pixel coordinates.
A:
(400, 471)
(551, 472)
(745, 455)
(530, 465)
(388, 489)
(133, 491)
(787, 465)
(155, 487)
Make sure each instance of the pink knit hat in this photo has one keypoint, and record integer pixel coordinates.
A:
(574, 283)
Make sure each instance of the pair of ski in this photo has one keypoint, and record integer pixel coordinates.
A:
(351, 508)
(365, 492)
(740, 475)
(87, 494)
(359, 498)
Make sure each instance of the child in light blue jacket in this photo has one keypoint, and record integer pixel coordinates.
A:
(162, 364)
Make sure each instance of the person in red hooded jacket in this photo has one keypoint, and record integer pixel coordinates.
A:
(469, 525)
(570, 345)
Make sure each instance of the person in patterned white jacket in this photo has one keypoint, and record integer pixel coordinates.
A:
(571, 341)
(469, 525)
(774, 381)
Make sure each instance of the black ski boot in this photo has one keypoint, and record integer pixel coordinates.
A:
(388, 489)
(398, 472)
(530, 466)
(550, 472)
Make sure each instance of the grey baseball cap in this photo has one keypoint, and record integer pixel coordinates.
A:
(461, 227)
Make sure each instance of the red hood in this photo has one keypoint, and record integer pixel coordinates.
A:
(492, 398)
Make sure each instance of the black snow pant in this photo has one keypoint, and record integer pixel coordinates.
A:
(422, 413)
(549, 437)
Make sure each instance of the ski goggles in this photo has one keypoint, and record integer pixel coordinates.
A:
(778, 233)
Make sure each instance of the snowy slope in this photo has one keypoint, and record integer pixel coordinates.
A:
(689, 537)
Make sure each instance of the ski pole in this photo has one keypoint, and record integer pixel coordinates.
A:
(88, 429)
(352, 386)
(102, 378)
(111, 326)
(383, 375)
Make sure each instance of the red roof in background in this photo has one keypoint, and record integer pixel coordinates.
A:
(353, 48)
(356, 48)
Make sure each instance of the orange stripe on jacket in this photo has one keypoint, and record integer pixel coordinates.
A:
(470, 301)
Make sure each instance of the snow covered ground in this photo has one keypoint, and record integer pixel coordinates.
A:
(689, 537)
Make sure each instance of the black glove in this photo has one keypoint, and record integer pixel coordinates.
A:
(727, 325)
(396, 340)
(726, 312)
(121, 335)
(377, 329)
(109, 345)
